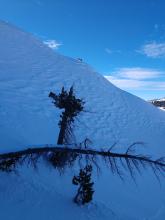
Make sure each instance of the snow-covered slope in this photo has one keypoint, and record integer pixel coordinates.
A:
(29, 70)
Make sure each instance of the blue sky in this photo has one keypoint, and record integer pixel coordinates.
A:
(122, 39)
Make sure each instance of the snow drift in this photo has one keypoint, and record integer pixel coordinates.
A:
(29, 70)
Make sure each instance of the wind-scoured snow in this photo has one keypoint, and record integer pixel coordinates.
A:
(29, 70)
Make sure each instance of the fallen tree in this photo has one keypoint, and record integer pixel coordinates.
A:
(55, 154)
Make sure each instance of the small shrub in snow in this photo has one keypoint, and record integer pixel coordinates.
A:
(85, 190)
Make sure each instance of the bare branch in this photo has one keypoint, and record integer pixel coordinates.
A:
(65, 156)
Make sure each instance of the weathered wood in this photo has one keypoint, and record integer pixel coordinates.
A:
(80, 151)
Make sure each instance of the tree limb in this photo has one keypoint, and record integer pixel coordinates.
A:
(62, 156)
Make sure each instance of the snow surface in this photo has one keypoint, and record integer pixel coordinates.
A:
(29, 70)
(158, 100)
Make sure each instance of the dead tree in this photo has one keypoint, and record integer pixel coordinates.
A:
(117, 162)
(72, 107)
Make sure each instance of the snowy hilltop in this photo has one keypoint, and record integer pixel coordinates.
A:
(29, 70)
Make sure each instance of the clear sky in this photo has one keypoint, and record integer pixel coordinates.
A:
(122, 39)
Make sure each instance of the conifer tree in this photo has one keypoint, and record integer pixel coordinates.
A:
(72, 107)
(85, 190)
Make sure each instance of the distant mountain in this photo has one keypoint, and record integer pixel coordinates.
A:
(158, 103)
